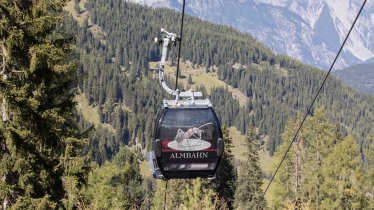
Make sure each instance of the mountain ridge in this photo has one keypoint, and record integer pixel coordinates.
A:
(314, 37)
(360, 77)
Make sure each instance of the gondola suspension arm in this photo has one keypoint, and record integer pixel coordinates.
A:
(168, 39)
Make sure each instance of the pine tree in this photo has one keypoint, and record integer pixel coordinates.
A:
(187, 194)
(369, 167)
(344, 178)
(248, 193)
(225, 182)
(116, 184)
(197, 196)
(299, 176)
(285, 191)
(320, 136)
(190, 80)
(173, 189)
(40, 162)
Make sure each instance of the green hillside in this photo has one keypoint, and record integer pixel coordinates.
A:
(360, 77)
(277, 87)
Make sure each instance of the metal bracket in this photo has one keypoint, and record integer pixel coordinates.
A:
(167, 40)
(153, 167)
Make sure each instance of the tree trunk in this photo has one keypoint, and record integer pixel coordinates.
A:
(5, 204)
(3, 109)
(4, 76)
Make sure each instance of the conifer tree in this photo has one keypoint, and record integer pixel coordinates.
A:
(174, 191)
(196, 195)
(285, 191)
(187, 194)
(320, 136)
(369, 169)
(248, 193)
(40, 162)
(225, 182)
(344, 178)
(116, 184)
(190, 80)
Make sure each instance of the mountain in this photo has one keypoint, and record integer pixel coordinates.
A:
(360, 76)
(310, 30)
(370, 60)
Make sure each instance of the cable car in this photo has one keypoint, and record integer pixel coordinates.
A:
(188, 139)
(188, 142)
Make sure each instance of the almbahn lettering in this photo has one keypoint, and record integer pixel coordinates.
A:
(178, 155)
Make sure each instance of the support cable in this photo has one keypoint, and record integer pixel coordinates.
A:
(315, 98)
(180, 46)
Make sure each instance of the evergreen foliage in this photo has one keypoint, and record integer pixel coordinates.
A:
(40, 162)
(277, 93)
(322, 137)
(284, 192)
(197, 195)
(228, 109)
(369, 167)
(322, 170)
(344, 182)
(225, 182)
(248, 193)
(360, 76)
(173, 188)
(116, 184)
(190, 80)
(187, 194)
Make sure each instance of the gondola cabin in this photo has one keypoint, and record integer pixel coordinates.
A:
(188, 141)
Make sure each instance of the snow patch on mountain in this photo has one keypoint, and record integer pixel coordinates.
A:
(281, 3)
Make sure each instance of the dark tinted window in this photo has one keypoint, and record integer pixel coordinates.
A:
(185, 119)
(189, 139)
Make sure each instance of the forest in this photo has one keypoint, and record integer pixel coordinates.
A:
(52, 157)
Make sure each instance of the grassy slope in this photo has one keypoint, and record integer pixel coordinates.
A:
(69, 7)
(82, 16)
(90, 113)
(266, 162)
(200, 77)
